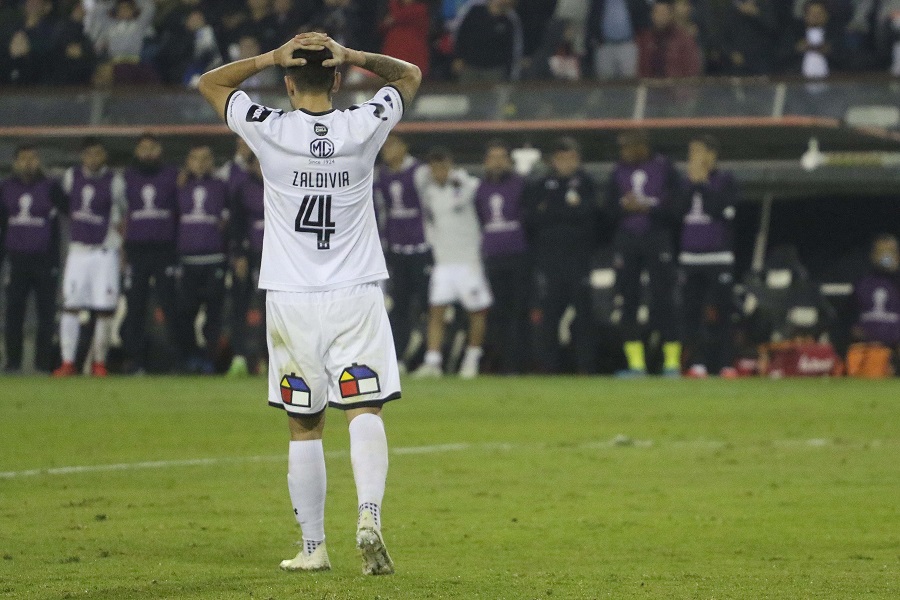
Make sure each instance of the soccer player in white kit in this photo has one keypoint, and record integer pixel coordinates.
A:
(329, 338)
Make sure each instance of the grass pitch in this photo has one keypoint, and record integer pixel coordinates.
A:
(498, 488)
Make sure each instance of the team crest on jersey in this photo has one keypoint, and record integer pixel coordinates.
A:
(321, 148)
(258, 114)
(295, 392)
(320, 129)
(357, 380)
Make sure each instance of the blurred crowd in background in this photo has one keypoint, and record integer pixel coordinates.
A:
(110, 42)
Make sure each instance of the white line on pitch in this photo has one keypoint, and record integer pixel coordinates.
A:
(618, 441)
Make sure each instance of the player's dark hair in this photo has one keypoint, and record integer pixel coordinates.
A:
(495, 144)
(711, 142)
(822, 3)
(439, 154)
(312, 76)
(24, 147)
(92, 141)
(565, 144)
(884, 237)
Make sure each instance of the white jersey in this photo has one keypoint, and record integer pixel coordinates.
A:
(451, 220)
(320, 226)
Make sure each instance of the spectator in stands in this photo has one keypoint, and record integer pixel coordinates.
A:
(886, 17)
(499, 204)
(187, 47)
(534, 17)
(247, 241)
(407, 252)
(74, 60)
(489, 43)
(612, 30)
(248, 47)
(150, 224)
(451, 226)
(666, 50)
(877, 296)
(406, 32)
(30, 205)
(574, 14)
(642, 199)
(291, 15)
(202, 231)
(340, 19)
(751, 39)
(562, 214)
(707, 209)
(119, 29)
(261, 25)
(816, 49)
(27, 43)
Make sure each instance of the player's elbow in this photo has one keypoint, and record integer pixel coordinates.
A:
(415, 75)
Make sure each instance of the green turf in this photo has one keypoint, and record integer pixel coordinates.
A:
(748, 489)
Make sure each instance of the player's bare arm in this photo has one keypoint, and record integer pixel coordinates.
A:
(404, 76)
(218, 84)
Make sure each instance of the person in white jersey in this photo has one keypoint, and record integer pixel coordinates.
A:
(328, 334)
(454, 233)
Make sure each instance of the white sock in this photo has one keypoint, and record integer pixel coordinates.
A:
(473, 353)
(434, 358)
(306, 485)
(102, 331)
(69, 330)
(369, 455)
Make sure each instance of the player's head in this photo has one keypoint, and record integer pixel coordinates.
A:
(815, 13)
(26, 162)
(704, 148)
(440, 162)
(313, 77)
(199, 162)
(148, 151)
(394, 150)
(634, 147)
(497, 161)
(662, 15)
(93, 154)
(886, 253)
(565, 157)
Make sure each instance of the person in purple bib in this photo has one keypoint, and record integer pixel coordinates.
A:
(235, 171)
(499, 204)
(247, 226)
(91, 279)
(203, 210)
(407, 253)
(642, 199)
(707, 210)
(877, 297)
(150, 222)
(30, 204)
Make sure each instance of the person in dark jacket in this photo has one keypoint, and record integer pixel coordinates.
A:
(562, 215)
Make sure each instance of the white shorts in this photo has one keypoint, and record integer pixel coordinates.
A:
(91, 279)
(461, 283)
(331, 348)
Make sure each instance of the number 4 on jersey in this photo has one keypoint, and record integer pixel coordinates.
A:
(320, 224)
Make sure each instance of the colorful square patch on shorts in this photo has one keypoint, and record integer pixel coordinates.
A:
(295, 392)
(357, 380)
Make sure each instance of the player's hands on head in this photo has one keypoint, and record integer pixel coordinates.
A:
(284, 56)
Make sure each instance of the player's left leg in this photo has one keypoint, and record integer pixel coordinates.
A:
(17, 290)
(369, 457)
(475, 293)
(663, 275)
(104, 298)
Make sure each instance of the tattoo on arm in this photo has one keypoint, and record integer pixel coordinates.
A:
(389, 69)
